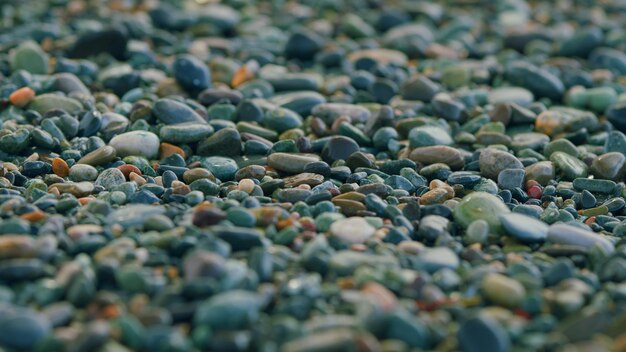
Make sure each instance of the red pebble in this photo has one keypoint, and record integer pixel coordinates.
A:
(535, 192)
(531, 183)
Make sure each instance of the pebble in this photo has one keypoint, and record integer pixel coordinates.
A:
(136, 143)
(524, 228)
(480, 206)
(503, 290)
(574, 235)
(172, 112)
(350, 231)
(493, 161)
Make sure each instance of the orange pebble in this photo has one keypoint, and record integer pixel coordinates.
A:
(85, 200)
(242, 75)
(111, 311)
(33, 216)
(60, 168)
(127, 169)
(167, 149)
(22, 96)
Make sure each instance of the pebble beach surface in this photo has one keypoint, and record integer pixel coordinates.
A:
(312, 175)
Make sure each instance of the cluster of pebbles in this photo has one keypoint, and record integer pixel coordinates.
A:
(313, 175)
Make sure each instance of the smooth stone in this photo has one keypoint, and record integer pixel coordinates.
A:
(232, 310)
(483, 334)
(29, 57)
(78, 189)
(303, 44)
(68, 83)
(569, 167)
(15, 142)
(302, 103)
(136, 143)
(503, 290)
(223, 168)
(35, 168)
(582, 42)
(381, 56)
(45, 102)
(113, 41)
(419, 88)
(329, 112)
(438, 154)
(480, 205)
(539, 81)
(99, 156)
(354, 230)
(573, 235)
(493, 161)
(609, 166)
(239, 238)
(133, 214)
(225, 142)
(172, 112)
(560, 145)
(110, 178)
(185, 133)
(191, 73)
(542, 172)
(524, 228)
(22, 329)
(511, 178)
(517, 95)
(594, 185)
(338, 148)
(290, 162)
(425, 136)
(437, 258)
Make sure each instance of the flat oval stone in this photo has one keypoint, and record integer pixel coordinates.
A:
(299, 102)
(191, 73)
(539, 81)
(172, 112)
(112, 41)
(574, 235)
(45, 102)
(185, 132)
(480, 205)
(493, 161)
(68, 83)
(78, 189)
(136, 143)
(524, 228)
(99, 156)
(223, 168)
(133, 215)
(352, 230)
(517, 95)
(381, 56)
(329, 112)
(438, 154)
(290, 162)
(425, 136)
(503, 290)
(29, 57)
